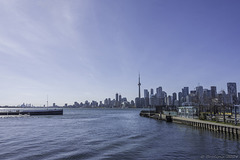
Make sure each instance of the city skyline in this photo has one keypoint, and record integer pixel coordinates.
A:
(90, 50)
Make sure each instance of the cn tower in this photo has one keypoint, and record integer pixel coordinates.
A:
(139, 86)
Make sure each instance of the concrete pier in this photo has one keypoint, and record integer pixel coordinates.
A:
(52, 111)
(212, 126)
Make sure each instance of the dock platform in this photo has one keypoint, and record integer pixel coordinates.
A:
(213, 126)
(32, 111)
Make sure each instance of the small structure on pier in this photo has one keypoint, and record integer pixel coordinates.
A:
(187, 111)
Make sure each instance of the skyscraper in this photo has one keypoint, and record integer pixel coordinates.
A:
(232, 92)
(213, 91)
(159, 92)
(185, 92)
(146, 97)
(232, 88)
(174, 96)
(116, 97)
(151, 91)
(199, 91)
(146, 93)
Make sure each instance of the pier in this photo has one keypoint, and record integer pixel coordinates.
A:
(207, 125)
(31, 112)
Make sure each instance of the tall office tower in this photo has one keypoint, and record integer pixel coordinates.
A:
(185, 92)
(213, 91)
(159, 92)
(232, 92)
(169, 100)
(238, 97)
(151, 91)
(232, 88)
(174, 97)
(116, 97)
(146, 93)
(146, 97)
(158, 96)
(120, 98)
(180, 98)
(206, 96)
(116, 102)
(222, 96)
(199, 91)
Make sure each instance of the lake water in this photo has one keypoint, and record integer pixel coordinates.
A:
(109, 134)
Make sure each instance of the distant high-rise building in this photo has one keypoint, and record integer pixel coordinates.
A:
(199, 92)
(169, 100)
(206, 96)
(116, 97)
(120, 98)
(185, 92)
(159, 92)
(222, 97)
(151, 92)
(213, 91)
(174, 97)
(180, 98)
(146, 93)
(238, 97)
(232, 88)
(232, 92)
(146, 97)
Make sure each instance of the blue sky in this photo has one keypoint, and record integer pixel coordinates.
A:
(77, 50)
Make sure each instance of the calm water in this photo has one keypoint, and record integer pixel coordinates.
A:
(108, 134)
